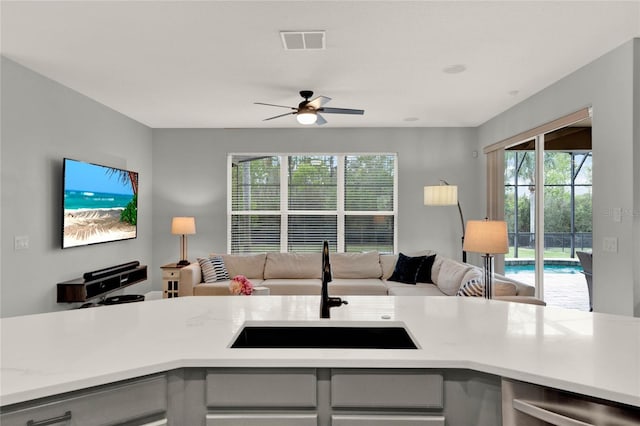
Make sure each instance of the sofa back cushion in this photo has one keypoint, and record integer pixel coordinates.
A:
(451, 275)
(388, 264)
(355, 265)
(249, 265)
(293, 265)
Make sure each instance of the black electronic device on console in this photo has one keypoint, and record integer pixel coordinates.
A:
(98, 283)
(100, 273)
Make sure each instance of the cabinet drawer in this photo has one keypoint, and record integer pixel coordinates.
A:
(257, 387)
(386, 388)
(262, 420)
(355, 420)
(109, 404)
(168, 275)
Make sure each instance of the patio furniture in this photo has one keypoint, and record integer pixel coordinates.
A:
(586, 260)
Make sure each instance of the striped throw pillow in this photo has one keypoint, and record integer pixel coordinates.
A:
(213, 269)
(473, 287)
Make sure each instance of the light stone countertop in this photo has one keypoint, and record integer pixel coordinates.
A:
(591, 354)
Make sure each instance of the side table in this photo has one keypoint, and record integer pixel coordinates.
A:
(170, 280)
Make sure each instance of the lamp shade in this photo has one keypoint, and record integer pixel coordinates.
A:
(441, 195)
(183, 225)
(486, 236)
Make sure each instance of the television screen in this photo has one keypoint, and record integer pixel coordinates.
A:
(100, 204)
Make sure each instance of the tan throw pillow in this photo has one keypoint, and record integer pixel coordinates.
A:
(355, 265)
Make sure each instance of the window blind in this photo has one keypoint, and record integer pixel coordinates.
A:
(349, 200)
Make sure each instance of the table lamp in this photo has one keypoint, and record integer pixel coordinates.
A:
(183, 226)
(445, 195)
(488, 237)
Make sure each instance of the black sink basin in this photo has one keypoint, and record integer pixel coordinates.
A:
(324, 337)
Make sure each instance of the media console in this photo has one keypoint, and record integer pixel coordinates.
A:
(98, 283)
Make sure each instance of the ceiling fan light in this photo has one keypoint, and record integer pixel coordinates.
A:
(306, 117)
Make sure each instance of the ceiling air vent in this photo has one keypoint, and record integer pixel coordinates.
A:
(303, 40)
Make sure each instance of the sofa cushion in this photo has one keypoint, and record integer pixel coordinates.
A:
(357, 286)
(450, 276)
(420, 289)
(388, 263)
(406, 269)
(355, 265)
(302, 286)
(293, 265)
(213, 269)
(249, 265)
(220, 288)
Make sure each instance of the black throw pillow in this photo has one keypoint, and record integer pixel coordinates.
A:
(406, 269)
(424, 272)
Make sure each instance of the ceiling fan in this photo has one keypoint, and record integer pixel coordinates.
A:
(307, 110)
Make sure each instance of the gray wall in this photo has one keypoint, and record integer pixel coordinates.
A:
(607, 84)
(42, 122)
(190, 178)
(636, 174)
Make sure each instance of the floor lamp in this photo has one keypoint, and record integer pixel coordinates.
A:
(183, 226)
(445, 195)
(488, 237)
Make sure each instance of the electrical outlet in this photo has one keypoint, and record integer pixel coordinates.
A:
(610, 245)
(21, 242)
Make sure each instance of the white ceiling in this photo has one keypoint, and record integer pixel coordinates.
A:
(204, 63)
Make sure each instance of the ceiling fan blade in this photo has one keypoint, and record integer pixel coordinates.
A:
(318, 102)
(281, 106)
(341, 111)
(320, 120)
(281, 115)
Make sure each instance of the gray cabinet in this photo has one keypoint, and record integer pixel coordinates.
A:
(256, 387)
(406, 388)
(263, 419)
(386, 420)
(324, 397)
(261, 397)
(135, 402)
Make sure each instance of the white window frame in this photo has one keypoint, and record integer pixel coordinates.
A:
(284, 211)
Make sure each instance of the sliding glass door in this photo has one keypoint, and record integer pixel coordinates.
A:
(547, 201)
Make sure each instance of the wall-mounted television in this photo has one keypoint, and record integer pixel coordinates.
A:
(100, 204)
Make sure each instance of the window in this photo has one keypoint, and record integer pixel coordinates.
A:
(291, 203)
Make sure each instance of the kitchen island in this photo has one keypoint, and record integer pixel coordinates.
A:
(183, 345)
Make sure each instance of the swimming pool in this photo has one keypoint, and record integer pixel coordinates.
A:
(552, 269)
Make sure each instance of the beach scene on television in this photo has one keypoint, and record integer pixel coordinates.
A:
(100, 204)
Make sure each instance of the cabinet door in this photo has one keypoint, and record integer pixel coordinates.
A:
(408, 388)
(262, 420)
(258, 387)
(110, 404)
(392, 420)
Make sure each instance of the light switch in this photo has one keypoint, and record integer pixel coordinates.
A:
(21, 242)
(610, 245)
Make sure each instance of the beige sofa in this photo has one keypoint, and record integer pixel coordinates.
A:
(353, 274)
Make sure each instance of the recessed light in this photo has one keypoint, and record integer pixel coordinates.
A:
(514, 92)
(411, 119)
(455, 69)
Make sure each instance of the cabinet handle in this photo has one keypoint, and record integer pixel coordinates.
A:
(53, 420)
(546, 415)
